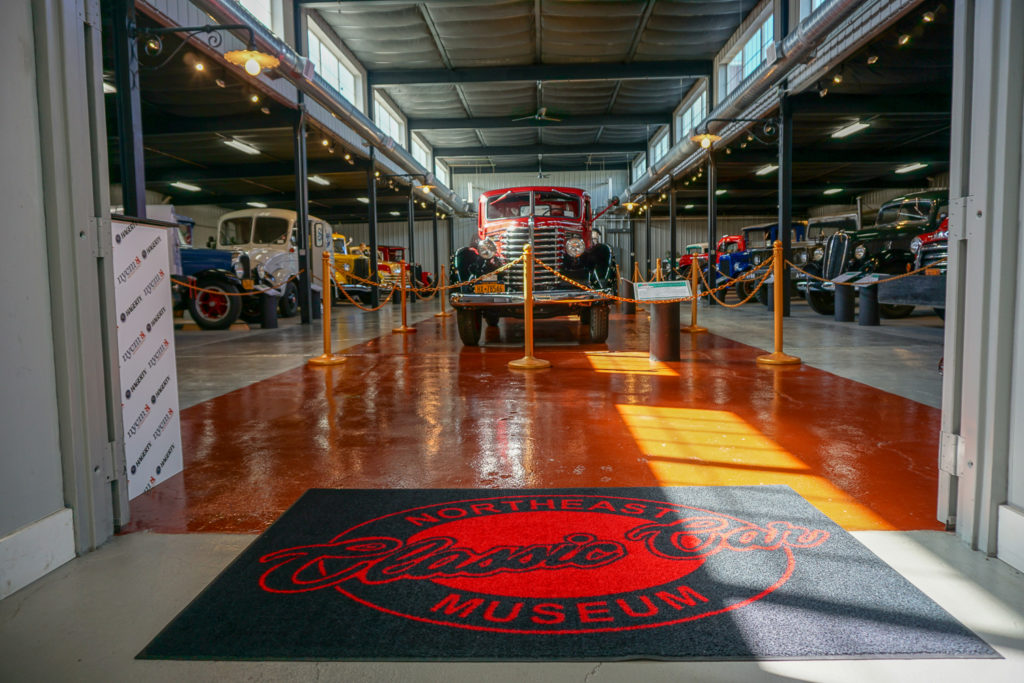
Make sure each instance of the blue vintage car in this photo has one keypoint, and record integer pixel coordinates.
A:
(758, 240)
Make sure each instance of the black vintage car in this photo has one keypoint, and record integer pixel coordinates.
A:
(882, 248)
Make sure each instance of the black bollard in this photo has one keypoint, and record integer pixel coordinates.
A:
(844, 304)
(626, 292)
(268, 311)
(868, 313)
(664, 332)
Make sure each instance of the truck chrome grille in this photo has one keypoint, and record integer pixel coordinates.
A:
(548, 246)
(931, 253)
(835, 255)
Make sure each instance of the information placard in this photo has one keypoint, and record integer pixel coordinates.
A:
(656, 291)
(145, 354)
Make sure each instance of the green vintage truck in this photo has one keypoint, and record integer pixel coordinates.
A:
(881, 248)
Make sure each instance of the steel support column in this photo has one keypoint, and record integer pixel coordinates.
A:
(712, 222)
(437, 257)
(302, 217)
(785, 190)
(412, 223)
(647, 239)
(129, 110)
(672, 227)
(371, 220)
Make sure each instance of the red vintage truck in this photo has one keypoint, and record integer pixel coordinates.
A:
(558, 222)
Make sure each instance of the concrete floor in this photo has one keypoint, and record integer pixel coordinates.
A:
(86, 620)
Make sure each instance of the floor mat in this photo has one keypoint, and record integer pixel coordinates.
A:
(560, 574)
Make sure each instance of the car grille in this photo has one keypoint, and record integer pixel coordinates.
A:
(361, 268)
(548, 246)
(931, 253)
(835, 255)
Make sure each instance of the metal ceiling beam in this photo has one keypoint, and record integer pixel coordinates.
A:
(515, 150)
(166, 125)
(885, 105)
(810, 188)
(685, 68)
(657, 119)
(532, 168)
(881, 156)
(259, 170)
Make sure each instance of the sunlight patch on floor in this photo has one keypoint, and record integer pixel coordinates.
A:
(693, 447)
(628, 362)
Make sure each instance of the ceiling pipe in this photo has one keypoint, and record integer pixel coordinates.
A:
(300, 72)
(791, 53)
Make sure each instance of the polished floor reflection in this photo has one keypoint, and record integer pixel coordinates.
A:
(409, 411)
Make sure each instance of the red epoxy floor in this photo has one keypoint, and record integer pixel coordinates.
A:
(422, 411)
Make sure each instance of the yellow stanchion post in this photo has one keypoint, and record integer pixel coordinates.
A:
(693, 326)
(440, 283)
(404, 329)
(636, 271)
(326, 358)
(528, 362)
(657, 272)
(778, 357)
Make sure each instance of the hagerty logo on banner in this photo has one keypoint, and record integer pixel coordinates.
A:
(145, 345)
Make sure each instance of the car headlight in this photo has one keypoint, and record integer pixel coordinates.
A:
(860, 251)
(801, 257)
(574, 247)
(237, 267)
(915, 245)
(487, 248)
(756, 259)
(818, 253)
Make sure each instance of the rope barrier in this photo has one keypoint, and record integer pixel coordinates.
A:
(753, 292)
(348, 296)
(252, 292)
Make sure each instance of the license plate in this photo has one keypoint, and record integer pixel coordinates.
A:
(489, 288)
(246, 284)
(932, 271)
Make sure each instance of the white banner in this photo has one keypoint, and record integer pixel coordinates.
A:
(145, 345)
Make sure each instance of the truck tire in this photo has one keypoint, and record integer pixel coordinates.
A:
(892, 311)
(598, 326)
(289, 304)
(470, 324)
(744, 288)
(821, 302)
(492, 319)
(215, 308)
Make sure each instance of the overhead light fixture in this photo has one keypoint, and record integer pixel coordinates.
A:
(325, 142)
(364, 200)
(200, 66)
(688, 206)
(241, 146)
(394, 213)
(833, 190)
(872, 59)
(720, 192)
(256, 205)
(348, 157)
(220, 83)
(319, 180)
(911, 167)
(837, 78)
(705, 139)
(854, 127)
(254, 98)
(108, 89)
(376, 174)
(928, 17)
(822, 90)
(765, 170)
(265, 110)
(903, 39)
(186, 186)
(253, 61)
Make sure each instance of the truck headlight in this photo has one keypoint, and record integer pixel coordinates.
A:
(860, 251)
(756, 258)
(575, 247)
(801, 257)
(346, 266)
(915, 245)
(487, 248)
(238, 268)
(818, 253)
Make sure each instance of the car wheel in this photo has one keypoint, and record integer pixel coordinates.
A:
(214, 308)
(470, 324)
(288, 307)
(821, 302)
(894, 310)
(598, 324)
(764, 292)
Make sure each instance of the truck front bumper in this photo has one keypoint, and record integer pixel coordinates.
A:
(546, 303)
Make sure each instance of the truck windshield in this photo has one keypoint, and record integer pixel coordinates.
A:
(236, 230)
(270, 230)
(556, 204)
(508, 205)
(552, 203)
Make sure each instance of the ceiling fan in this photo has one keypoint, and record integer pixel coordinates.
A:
(542, 112)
